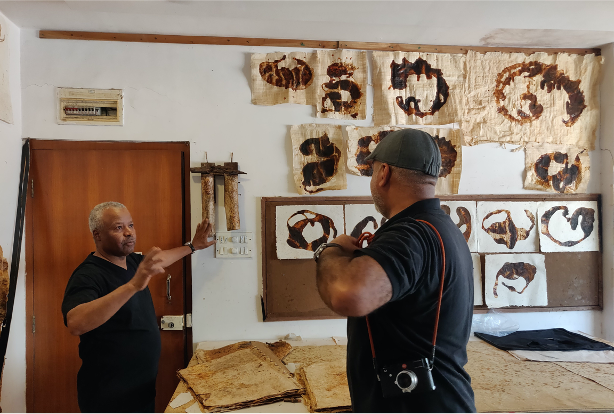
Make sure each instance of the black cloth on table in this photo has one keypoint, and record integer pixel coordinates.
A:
(556, 339)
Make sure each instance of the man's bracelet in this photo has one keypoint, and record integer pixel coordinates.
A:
(320, 249)
(191, 246)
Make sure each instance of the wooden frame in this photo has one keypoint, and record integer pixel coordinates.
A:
(316, 44)
(270, 263)
(36, 144)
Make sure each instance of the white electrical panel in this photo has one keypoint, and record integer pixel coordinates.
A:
(232, 245)
(90, 106)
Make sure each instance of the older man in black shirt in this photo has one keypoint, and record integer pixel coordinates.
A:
(395, 282)
(108, 304)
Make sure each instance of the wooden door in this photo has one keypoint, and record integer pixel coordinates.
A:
(67, 179)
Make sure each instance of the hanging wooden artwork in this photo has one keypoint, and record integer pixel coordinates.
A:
(361, 142)
(515, 98)
(341, 84)
(477, 279)
(279, 78)
(301, 229)
(318, 158)
(4, 287)
(464, 215)
(515, 280)
(417, 88)
(361, 218)
(507, 227)
(568, 226)
(556, 169)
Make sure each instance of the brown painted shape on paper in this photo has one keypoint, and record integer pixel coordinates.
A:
(505, 232)
(513, 271)
(552, 79)
(4, 286)
(569, 177)
(366, 168)
(400, 72)
(448, 155)
(297, 78)
(586, 225)
(340, 75)
(324, 169)
(295, 231)
(464, 219)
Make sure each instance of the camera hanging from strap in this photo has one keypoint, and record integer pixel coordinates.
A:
(443, 272)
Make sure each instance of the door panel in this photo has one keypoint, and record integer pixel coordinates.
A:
(66, 185)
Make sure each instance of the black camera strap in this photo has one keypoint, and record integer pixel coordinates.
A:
(443, 272)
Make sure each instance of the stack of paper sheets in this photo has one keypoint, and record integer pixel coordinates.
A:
(238, 376)
(327, 387)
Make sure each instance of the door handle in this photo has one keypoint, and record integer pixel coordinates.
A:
(168, 287)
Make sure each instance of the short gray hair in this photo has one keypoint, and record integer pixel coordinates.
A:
(409, 177)
(95, 220)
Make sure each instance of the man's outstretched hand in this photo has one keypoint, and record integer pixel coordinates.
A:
(149, 267)
(203, 232)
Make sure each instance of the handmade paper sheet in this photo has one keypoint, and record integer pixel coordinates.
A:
(279, 78)
(556, 168)
(515, 98)
(341, 84)
(464, 215)
(301, 229)
(477, 280)
(507, 227)
(327, 386)
(450, 146)
(417, 88)
(361, 218)
(361, 143)
(569, 226)
(515, 280)
(318, 158)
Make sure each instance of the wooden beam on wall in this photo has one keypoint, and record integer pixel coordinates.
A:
(297, 43)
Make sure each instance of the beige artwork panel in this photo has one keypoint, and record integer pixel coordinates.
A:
(361, 142)
(417, 88)
(556, 169)
(341, 84)
(450, 146)
(515, 98)
(279, 78)
(318, 158)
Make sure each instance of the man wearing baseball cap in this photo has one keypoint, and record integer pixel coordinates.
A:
(390, 289)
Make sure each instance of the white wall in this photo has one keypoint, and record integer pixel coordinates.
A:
(202, 94)
(14, 384)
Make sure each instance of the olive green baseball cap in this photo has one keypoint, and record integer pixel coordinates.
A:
(411, 149)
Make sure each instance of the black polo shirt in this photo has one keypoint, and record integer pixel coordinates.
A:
(120, 357)
(410, 254)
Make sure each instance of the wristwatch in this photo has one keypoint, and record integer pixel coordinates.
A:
(320, 249)
(191, 246)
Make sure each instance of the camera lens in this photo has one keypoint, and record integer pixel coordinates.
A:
(404, 380)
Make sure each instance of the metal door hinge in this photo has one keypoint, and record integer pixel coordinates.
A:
(33, 324)
(188, 320)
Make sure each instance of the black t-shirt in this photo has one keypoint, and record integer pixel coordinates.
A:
(120, 357)
(410, 253)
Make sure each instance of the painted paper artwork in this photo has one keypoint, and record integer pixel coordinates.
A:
(451, 149)
(341, 84)
(417, 88)
(464, 215)
(515, 280)
(507, 227)
(556, 169)
(301, 229)
(279, 78)
(515, 98)
(360, 144)
(318, 159)
(569, 226)
(477, 280)
(360, 218)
